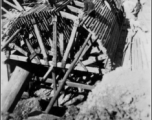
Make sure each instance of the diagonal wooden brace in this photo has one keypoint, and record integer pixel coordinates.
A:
(69, 46)
(16, 47)
(10, 39)
(40, 41)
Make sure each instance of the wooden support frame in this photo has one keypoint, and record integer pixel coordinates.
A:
(40, 41)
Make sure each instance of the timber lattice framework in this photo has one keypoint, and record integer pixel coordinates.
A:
(58, 46)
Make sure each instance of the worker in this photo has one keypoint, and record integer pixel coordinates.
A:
(137, 9)
(88, 6)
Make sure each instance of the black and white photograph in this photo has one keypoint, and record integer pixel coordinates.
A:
(75, 59)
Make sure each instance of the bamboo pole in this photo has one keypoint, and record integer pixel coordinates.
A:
(66, 75)
(14, 89)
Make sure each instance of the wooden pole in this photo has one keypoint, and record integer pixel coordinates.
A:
(66, 76)
(18, 4)
(32, 51)
(12, 5)
(76, 23)
(5, 10)
(54, 53)
(10, 39)
(40, 41)
(12, 93)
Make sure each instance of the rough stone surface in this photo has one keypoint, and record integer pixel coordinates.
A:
(122, 95)
(25, 107)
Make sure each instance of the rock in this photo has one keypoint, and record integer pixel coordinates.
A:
(25, 107)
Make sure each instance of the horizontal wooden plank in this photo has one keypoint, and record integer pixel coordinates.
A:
(68, 16)
(78, 67)
(73, 84)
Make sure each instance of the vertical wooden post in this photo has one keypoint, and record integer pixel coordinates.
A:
(54, 52)
(15, 87)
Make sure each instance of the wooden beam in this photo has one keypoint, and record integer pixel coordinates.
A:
(77, 3)
(12, 5)
(51, 103)
(10, 39)
(40, 41)
(73, 84)
(54, 54)
(70, 43)
(78, 68)
(12, 93)
(74, 9)
(68, 16)
(18, 4)
(5, 10)
(19, 49)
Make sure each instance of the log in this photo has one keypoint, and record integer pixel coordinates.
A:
(12, 93)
